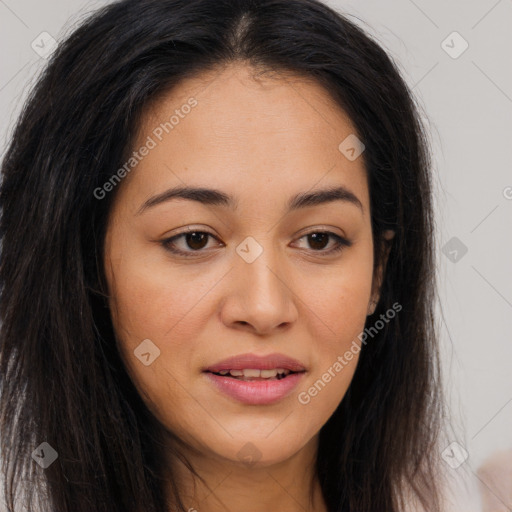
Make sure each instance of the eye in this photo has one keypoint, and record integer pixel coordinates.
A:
(320, 239)
(193, 239)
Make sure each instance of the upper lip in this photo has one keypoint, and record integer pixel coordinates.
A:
(253, 361)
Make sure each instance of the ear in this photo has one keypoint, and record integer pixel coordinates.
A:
(379, 270)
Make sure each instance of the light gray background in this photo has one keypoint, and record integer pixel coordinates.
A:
(467, 104)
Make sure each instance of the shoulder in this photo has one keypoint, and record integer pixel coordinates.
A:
(495, 481)
(459, 492)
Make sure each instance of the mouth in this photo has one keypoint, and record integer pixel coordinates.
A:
(255, 374)
(252, 379)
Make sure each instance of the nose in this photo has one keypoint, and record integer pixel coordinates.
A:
(259, 296)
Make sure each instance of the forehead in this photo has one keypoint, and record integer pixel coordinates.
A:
(248, 132)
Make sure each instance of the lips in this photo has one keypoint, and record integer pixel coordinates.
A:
(254, 362)
(256, 380)
(255, 374)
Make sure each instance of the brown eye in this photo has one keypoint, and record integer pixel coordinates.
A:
(188, 243)
(196, 240)
(318, 241)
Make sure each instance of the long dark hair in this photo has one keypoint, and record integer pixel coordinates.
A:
(61, 376)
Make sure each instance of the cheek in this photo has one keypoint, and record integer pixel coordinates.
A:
(337, 300)
(340, 305)
(337, 313)
(168, 313)
(155, 299)
(166, 310)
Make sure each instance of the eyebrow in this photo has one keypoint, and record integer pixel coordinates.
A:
(212, 197)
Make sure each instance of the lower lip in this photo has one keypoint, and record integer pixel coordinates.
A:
(256, 392)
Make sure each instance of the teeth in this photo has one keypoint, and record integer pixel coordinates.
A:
(255, 373)
(250, 373)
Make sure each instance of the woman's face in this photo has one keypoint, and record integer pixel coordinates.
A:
(257, 278)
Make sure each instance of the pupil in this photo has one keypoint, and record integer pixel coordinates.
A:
(316, 236)
(196, 237)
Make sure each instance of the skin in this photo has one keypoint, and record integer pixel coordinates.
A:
(261, 141)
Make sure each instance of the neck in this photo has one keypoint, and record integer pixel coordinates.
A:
(226, 485)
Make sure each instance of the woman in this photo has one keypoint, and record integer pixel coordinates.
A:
(216, 275)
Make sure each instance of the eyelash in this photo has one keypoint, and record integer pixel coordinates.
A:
(342, 243)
